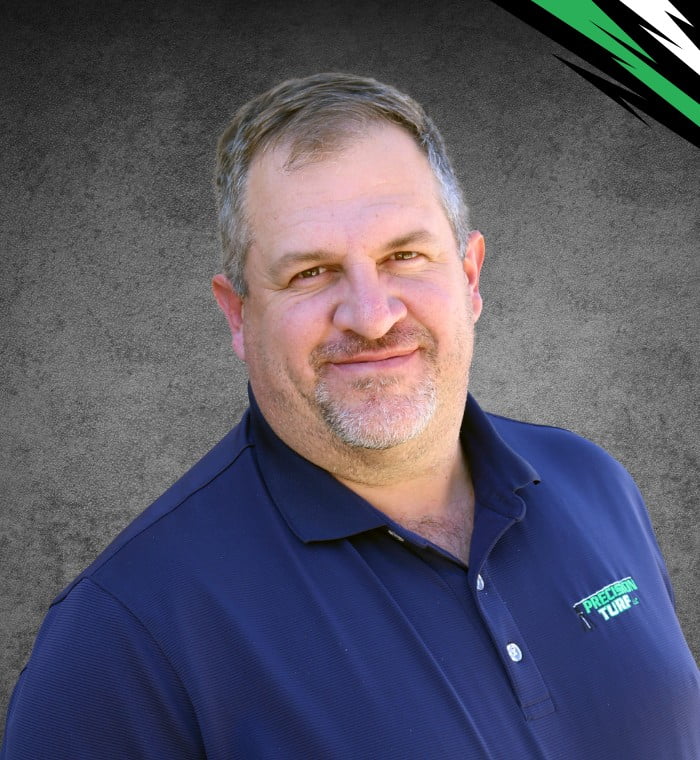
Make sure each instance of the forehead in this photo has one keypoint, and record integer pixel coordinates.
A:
(381, 178)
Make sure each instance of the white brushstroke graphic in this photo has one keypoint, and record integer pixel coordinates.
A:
(658, 13)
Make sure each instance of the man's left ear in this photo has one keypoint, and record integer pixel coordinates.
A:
(232, 305)
(473, 259)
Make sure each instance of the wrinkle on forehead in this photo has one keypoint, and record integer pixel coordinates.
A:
(374, 182)
(352, 223)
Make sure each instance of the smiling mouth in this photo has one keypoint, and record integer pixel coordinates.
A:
(376, 361)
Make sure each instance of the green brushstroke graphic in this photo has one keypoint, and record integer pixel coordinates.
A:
(588, 19)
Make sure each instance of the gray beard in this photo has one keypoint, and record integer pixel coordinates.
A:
(382, 419)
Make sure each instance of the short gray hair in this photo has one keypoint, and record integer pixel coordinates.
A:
(314, 115)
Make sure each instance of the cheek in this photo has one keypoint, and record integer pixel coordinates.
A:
(280, 340)
(441, 307)
(450, 319)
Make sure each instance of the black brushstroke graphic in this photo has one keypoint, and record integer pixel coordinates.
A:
(625, 89)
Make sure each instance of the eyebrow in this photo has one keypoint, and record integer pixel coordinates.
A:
(297, 258)
(416, 236)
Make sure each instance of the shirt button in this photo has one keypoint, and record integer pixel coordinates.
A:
(514, 652)
(479, 583)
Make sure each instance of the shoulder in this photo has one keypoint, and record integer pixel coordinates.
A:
(582, 484)
(579, 476)
(171, 517)
(99, 685)
(556, 451)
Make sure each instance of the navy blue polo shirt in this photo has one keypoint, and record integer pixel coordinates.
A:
(260, 609)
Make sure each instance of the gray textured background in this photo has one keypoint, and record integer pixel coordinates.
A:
(116, 369)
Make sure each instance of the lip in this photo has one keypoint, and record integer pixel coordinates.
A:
(393, 359)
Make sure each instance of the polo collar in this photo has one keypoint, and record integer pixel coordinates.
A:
(317, 507)
(498, 471)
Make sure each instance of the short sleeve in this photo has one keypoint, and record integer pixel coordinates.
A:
(98, 686)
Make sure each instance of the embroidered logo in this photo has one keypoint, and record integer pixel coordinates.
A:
(608, 602)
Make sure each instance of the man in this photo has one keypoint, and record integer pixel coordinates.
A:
(362, 568)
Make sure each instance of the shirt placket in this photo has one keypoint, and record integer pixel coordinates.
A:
(510, 644)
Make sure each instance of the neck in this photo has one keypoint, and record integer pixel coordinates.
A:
(423, 484)
(435, 501)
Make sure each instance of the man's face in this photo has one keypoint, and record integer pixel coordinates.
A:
(358, 321)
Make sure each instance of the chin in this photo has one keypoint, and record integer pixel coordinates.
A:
(380, 420)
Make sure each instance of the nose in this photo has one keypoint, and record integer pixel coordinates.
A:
(367, 306)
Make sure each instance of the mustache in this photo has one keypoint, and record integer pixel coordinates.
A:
(406, 336)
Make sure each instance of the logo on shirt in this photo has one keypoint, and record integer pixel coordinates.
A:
(608, 602)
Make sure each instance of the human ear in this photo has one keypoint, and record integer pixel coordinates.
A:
(232, 306)
(473, 259)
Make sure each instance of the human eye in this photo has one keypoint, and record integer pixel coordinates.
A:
(313, 277)
(309, 274)
(405, 255)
